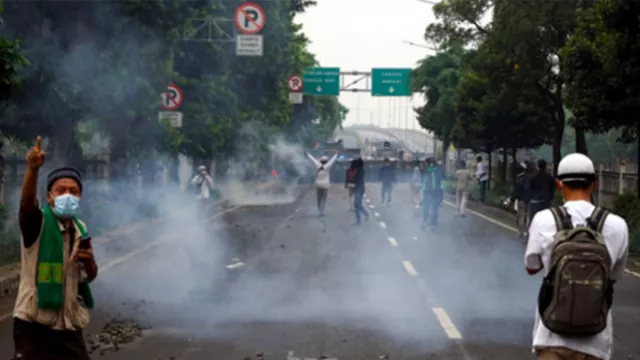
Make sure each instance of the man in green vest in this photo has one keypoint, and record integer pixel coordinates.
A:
(57, 265)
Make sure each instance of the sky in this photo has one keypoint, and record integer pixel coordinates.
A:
(357, 35)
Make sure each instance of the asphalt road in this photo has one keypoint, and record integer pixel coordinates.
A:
(317, 287)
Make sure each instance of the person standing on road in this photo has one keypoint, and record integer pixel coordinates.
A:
(323, 182)
(583, 250)
(350, 185)
(358, 165)
(482, 176)
(203, 183)
(541, 186)
(57, 265)
(416, 184)
(431, 193)
(463, 178)
(521, 197)
(387, 177)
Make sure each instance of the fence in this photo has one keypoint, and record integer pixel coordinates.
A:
(613, 179)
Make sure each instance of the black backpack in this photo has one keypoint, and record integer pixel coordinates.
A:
(577, 293)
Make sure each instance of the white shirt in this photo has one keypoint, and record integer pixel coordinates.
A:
(322, 176)
(481, 174)
(541, 232)
(204, 185)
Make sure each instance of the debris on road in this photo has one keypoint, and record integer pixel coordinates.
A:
(113, 334)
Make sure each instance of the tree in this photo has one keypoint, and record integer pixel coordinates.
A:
(104, 64)
(603, 68)
(437, 77)
(530, 32)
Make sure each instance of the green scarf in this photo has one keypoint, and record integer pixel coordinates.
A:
(50, 279)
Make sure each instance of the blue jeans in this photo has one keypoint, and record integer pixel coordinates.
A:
(430, 206)
(386, 192)
(483, 190)
(359, 208)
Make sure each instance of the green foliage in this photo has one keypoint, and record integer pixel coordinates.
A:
(627, 206)
(601, 58)
(120, 56)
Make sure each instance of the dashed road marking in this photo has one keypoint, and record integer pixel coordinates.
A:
(371, 206)
(383, 225)
(376, 214)
(409, 267)
(367, 200)
(415, 238)
(393, 241)
(447, 325)
(511, 228)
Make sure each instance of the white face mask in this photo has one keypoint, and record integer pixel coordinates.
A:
(66, 206)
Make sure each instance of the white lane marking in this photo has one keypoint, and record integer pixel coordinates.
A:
(409, 267)
(371, 206)
(415, 238)
(393, 241)
(511, 228)
(367, 200)
(376, 214)
(383, 225)
(446, 323)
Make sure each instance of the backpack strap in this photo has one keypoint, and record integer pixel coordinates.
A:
(597, 218)
(562, 218)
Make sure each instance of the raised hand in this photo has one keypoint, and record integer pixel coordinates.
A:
(35, 156)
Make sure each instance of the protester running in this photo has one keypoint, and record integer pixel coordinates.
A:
(520, 196)
(541, 187)
(583, 251)
(387, 177)
(323, 181)
(463, 178)
(431, 193)
(350, 185)
(358, 166)
(482, 176)
(416, 184)
(57, 265)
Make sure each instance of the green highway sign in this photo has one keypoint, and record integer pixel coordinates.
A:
(321, 81)
(391, 82)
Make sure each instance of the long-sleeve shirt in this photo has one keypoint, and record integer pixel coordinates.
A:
(322, 171)
(463, 177)
(521, 190)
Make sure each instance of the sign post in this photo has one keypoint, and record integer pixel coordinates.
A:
(250, 20)
(172, 97)
(391, 82)
(295, 84)
(321, 81)
(173, 117)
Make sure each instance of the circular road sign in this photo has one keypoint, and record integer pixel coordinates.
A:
(250, 18)
(295, 83)
(172, 98)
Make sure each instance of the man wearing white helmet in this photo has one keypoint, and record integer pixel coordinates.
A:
(583, 250)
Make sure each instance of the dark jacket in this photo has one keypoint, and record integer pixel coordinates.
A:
(432, 179)
(387, 174)
(541, 186)
(358, 164)
(521, 188)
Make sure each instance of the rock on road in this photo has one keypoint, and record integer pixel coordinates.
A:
(324, 287)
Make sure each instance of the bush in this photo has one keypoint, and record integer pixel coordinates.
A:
(9, 238)
(627, 206)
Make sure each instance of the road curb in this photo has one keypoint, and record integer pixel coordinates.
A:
(10, 281)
